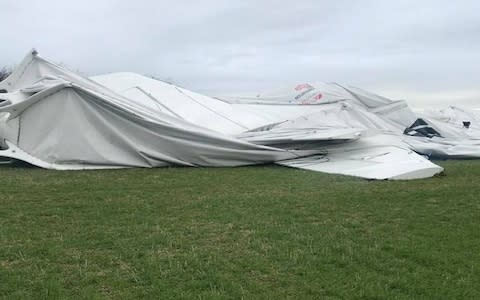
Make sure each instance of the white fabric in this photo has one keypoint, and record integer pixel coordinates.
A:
(78, 121)
(57, 119)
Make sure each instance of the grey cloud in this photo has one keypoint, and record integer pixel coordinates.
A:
(426, 51)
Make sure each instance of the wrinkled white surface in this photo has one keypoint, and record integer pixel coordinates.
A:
(380, 156)
(382, 162)
(54, 118)
(76, 121)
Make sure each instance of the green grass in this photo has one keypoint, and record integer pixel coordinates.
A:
(254, 233)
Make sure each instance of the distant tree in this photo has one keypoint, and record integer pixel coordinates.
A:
(4, 72)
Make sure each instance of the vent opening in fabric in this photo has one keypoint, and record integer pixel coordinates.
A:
(422, 129)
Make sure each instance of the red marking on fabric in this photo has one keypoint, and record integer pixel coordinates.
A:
(302, 86)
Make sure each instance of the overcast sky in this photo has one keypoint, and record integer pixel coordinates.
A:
(422, 51)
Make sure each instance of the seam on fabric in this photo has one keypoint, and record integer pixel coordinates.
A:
(215, 112)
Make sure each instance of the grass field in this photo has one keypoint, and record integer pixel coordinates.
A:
(254, 233)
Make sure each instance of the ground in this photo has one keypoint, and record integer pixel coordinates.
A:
(254, 233)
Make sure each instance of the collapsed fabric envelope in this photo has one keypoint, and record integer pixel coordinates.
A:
(338, 126)
(65, 121)
(447, 133)
(451, 132)
(54, 118)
